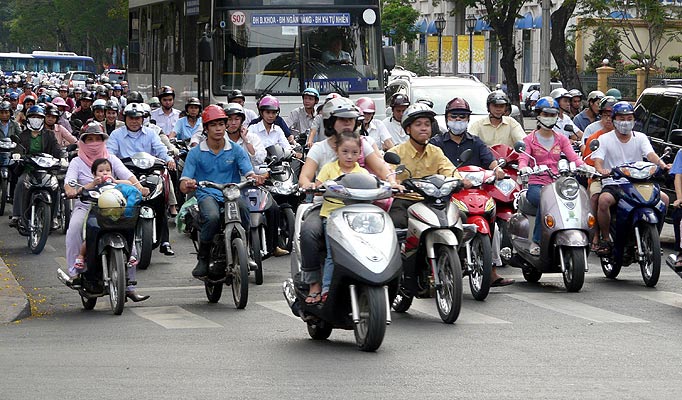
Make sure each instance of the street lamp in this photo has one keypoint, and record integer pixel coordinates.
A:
(471, 25)
(440, 27)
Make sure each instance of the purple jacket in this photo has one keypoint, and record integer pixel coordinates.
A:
(550, 157)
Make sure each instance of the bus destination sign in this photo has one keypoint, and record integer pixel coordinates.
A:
(320, 19)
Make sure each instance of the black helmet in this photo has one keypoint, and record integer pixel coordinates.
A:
(87, 95)
(166, 91)
(113, 105)
(29, 98)
(399, 99)
(193, 101)
(496, 98)
(102, 91)
(235, 109)
(51, 109)
(235, 94)
(135, 97)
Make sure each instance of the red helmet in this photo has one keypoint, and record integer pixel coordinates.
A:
(458, 104)
(212, 113)
(366, 105)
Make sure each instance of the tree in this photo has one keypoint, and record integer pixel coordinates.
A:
(605, 45)
(412, 61)
(397, 20)
(565, 61)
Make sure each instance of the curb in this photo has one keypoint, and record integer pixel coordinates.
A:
(14, 304)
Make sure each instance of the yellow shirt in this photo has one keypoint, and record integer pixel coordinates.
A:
(508, 132)
(431, 161)
(329, 171)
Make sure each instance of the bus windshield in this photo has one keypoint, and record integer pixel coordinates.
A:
(283, 51)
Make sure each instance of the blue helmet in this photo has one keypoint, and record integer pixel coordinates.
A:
(35, 110)
(622, 108)
(14, 96)
(311, 92)
(547, 104)
(118, 87)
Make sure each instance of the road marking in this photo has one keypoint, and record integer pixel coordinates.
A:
(466, 317)
(559, 303)
(667, 298)
(169, 288)
(280, 306)
(174, 317)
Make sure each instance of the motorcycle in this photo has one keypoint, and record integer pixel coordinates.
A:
(183, 148)
(108, 253)
(566, 227)
(259, 200)
(152, 174)
(477, 207)
(6, 148)
(431, 266)
(229, 260)
(505, 191)
(282, 183)
(367, 264)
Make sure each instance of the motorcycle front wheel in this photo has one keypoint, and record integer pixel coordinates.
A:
(88, 303)
(3, 194)
(574, 264)
(42, 219)
(116, 265)
(402, 301)
(286, 228)
(650, 245)
(449, 296)
(369, 332)
(482, 266)
(240, 273)
(319, 330)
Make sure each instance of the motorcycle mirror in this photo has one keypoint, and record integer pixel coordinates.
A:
(501, 162)
(520, 147)
(568, 128)
(393, 158)
(465, 156)
(594, 145)
(72, 183)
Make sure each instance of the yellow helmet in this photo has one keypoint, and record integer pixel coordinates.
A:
(111, 203)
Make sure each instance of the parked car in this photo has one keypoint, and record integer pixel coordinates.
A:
(74, 79)
(115, 75)
(658, 114)
(527, 88)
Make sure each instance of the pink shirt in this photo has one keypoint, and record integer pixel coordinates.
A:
(64, 138)
(550, 157)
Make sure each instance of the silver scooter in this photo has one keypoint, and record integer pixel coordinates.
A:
(566, 224)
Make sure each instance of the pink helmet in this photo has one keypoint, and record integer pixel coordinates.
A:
(366, 105)
(268, 103)
(332, 95)
(58, 101)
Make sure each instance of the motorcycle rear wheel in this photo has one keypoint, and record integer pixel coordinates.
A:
(213, 291)
(88, 303)
(3, 196)
(286, 228)
(257, 255)
(574, 262)
(144, 241)
(482, 269)
(116, 265)
(369, 332)
(319, 330)
(651, 247)
(240, 273)
(449, 297)
(38, 234)
(65, 216)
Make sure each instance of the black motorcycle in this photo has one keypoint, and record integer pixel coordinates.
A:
(6, 148)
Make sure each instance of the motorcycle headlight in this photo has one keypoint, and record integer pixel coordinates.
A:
(428, 188)
(4, 144)
(44, 162)
(638, 173)
(232, 193)
(369, 223)
(476, 178)
(448, 188)
(568, 189)
(505, 186)
(143, 163)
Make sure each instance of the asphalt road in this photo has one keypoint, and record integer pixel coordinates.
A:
(613, 340)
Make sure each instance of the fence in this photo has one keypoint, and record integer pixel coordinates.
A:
(589, 82)
(627, 84)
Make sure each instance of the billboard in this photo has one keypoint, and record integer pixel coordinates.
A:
(463, 54)
(432, 50)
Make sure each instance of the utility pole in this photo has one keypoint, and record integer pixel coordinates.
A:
(544, 46)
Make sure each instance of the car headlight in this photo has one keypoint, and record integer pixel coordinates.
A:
(232, 193)
(568, 189)
(427, 188)
(505, 186)
(476, 178)
(368, 223)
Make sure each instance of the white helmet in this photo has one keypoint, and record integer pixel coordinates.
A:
(100, 104)
(112, 204)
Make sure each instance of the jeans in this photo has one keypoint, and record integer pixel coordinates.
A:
(209, 208)
(328, 270)
(533, 195)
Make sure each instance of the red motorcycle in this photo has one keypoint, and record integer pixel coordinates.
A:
(505, 191)
(477, 207)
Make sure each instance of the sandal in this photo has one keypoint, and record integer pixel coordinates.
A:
(79, 265)
(315, 296)
(678, 262)
(594, 247)
(604, 248)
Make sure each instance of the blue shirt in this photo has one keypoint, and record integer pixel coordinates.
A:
(581, 121)
(228, 166)
(481, 155)
(124, 143)
(677, 164)
(185, 132)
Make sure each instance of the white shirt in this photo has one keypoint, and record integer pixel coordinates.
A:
(275, 136)
(591, 129)
(250, 116)
(322, 153)
(378, 132)
(615, 153)
(165, 122)
(564, 121)
(396, 130)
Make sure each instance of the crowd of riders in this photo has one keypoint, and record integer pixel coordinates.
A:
(227, 142)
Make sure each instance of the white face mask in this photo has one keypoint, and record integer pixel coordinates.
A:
(624, 127)
(36, 124)
(457, 127)
(548, 122)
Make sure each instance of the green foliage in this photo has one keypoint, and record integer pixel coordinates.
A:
(397, 20)
(412, 61)
(672, 70)
(606, 44)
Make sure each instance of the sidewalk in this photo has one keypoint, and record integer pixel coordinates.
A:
(14, 304)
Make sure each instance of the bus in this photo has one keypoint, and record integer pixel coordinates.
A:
(46, 61)
(278, 47)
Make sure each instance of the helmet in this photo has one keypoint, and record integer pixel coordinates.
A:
(35, 111)
(496, 98)
(212, 113)
(607, 102)
(595, 95)
(87, 95)
(6, 106)
(108, 87)
(101, 91)
(14, 96)
(268, 103)
(547, 104)
(366, 105)
(339, 107)
(99, 104)
(166, 91)
(154, 102)
(134, 110)
(559, 93)
(112, 105)
(235, 109)
(29, 98)
(112, 203)
(104, 79)
(417, 110)
(51, 109)
(44, 98)
(118, 87)
(458, 104)
(135, 97)
(615, 93)
(63, 88)
(78, 90)
(622, 108)
(575, 93)
(193, 101)
(235, 94)
(311, 92)
(59, 102)
(332, 95)
(399, 99)
(93, 128)
(428, 102)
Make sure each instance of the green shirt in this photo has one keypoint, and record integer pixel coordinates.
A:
(36, 144)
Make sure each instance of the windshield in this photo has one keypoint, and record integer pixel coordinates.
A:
(287, 51)
(440, 96)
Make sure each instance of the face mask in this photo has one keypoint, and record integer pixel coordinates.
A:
(457, 127)
(36, 124)
(624, 127)
(548, 122)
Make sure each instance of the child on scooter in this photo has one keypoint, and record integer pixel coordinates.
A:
(348, 149)
(677, 213)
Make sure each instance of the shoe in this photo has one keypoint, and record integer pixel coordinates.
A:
(279, 252)
(166, 249)
(534, 249)
(55, 223)
(14, 222)
(136, 298)
(201, 269)
(252, 265)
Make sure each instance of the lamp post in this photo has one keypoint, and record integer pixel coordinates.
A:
(440, 27)
(471, 25)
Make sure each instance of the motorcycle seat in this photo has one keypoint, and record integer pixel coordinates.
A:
(525, 206)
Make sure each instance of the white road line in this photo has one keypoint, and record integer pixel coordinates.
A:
(466, 317)
(280, 306)
(169, 288)
(174, 317)
(667, 298)
(561, 304)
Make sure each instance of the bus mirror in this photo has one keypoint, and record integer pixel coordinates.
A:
(389, 57)
(206, 48)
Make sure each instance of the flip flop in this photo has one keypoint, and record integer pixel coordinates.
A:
(315, 296)
(501, 282)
